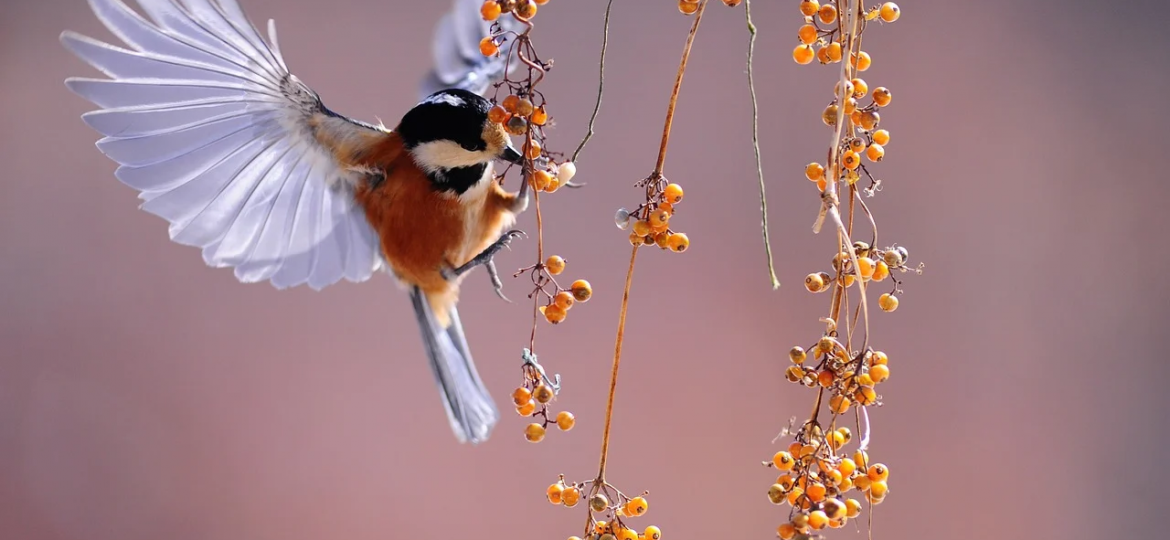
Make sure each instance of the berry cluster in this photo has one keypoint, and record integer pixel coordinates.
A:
(845, 371)
(607, 502)
(650, 221)
(523, 112)
(817, 478)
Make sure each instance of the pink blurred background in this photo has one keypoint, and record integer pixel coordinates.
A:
(146, 396)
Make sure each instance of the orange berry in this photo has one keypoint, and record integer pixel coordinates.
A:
(678, 242)
(878, 358)
(890, 12)
(687, 8)
(827, 14)
(673, 194)
(539, 116)
(818, 519)
(565, 420)
(878, 489)
(629, 534)
(825, 378)
(814, 171)
(571, 497)
(846, 467)
(554, 314)
(667, 206)
(881, 136)
(829, 116)
(652, 533)
(534, 433)
(555, 265)
(865, 265)
(814, 283)
(637, 506)
(861, 458)
(888, 302)
(553, 185)
(862, 482)
(879, 372)
(554, 493)
(795, 495)
(861, 61)
(521, 396)
(581, 290)
(848, 89)
(851, 160)
(852, 508)
(808, 8)
(816, 492)
(797, 355)
(869, 120)
(850, 106)
(534, 150)
(803, 54)
(541, 180)
(564, 299)
(541, 2)
(488, 46)
(834, 509)
(882, 96)
(776, 494)
(786, 482)
(793, 373)
(836, 441)
(881, 272)
(839, 404)
(786, 531)
(857, 144)
(510, 103)
(783, 460)
(807, 34)
(527, 408)
(822, 185)
(642, 227)
(878, 472)
(497, 113)
(659, 219)
(542, 394)
(729, 3)
(823, 55)
(599, 503)
(525, 9)
(490, 10)
(865, 396)
(524, 107)
(860, 88)
(834, 52)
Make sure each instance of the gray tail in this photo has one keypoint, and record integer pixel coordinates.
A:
(470, 408)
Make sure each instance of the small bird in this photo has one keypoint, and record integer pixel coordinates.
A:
(246, 162)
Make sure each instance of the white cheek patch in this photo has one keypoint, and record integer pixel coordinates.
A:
(436, 155)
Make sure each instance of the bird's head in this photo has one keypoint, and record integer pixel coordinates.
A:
(450, 130)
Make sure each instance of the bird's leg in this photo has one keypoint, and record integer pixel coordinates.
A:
(520, 203)
(485, 258)
(497, 285)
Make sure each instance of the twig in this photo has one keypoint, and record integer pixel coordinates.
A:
(617, 354)
(600, 84)
(756, 145)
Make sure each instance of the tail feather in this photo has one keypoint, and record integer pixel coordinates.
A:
(470, 408)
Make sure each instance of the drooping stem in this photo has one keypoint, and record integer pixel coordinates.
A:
(600, 83)
(756, 145)
(617, 353)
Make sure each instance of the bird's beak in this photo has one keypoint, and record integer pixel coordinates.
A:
(512, 156)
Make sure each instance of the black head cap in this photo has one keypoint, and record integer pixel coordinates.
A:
(453, 114)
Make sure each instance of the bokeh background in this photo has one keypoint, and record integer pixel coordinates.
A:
(144, 395)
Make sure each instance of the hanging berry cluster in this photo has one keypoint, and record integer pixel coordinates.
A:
(522, 110)
(818, 476)
(651, 219)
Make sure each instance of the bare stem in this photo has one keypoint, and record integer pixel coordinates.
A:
(756, 145)
(600, 84)
(617, 352)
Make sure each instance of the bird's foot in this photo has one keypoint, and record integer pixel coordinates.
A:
(485, 258)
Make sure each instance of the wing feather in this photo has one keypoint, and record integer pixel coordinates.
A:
(205, 120)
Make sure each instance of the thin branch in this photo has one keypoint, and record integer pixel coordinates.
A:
(756, 145)
(600, 84)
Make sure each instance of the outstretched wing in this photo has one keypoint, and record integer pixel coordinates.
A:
(458, 62)
(240, 157)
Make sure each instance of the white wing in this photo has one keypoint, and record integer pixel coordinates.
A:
(206, 121)
(455, 50)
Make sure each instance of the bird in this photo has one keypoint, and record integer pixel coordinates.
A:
(246, 162)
